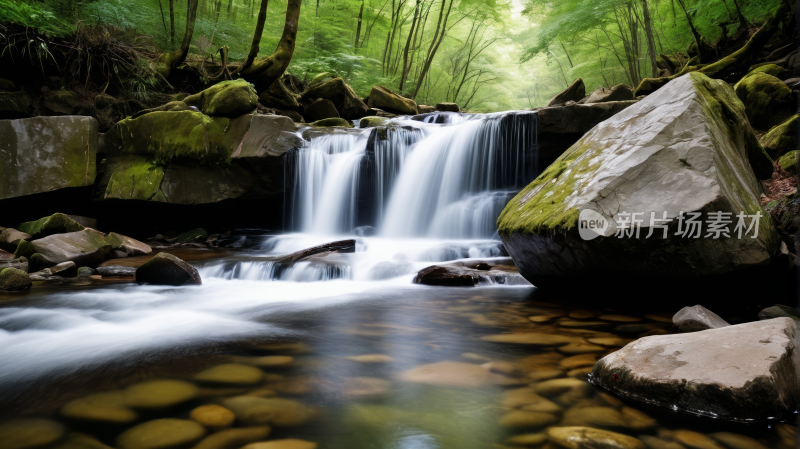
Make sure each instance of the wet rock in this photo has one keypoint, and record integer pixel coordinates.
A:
(63, 269)
(778, 311)
(588, 438)
(531, 339)
(575, 92)
(693, 371)
(12, 279)
(359, 388)
(10, 238)
(57, 223)
(289, 443)
(86, 272)
(230, 374)
(581, 314)
(131, 247)
(547, 374)
(371, 122)
(522, 419)
(445, 276)
(577, 361)
(86, 247)
(657, 443)
(342, 95)
(527, 399)
(331, 122)
(107, 407)
(609, 341)
(253, 410)
(447, 107)
(267, 361)
(320, 109)
(638, 421)
(159, 393)
(601, 417)
(213, 416)
(620, 92)
(530, 439)
(370, 358)
(697, 318)
(163, 433)
(580, 348)
(582, 324)
(116, 270)
(500, 367)
(737, 441)
(565, 392)
(342, 246)
(695, 440)
(452, 374)
(20, 263)
(43, 154)
(383, 98)
(619, 318)
(5, 256)
(233, 438)
(29, 433)
(166, 269)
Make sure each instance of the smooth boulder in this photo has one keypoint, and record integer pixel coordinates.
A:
(167, 269)
(13, 279)
(620, 92)
(87, 247)
(130, 246)
(10, 238)
(228, 99)
(343, 97)
(743, 372)
(697, 318)
(671, 153)
(57, 223)
(781, 139)
(320, 109)
(574, 92)
(383, 98)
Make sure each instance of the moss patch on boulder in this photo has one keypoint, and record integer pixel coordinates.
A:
(57, 223)
(25, 249)
(334, 121)
(372, 121)
(767, 100)
(383, 98)
(12, 279)
(789, 162)
(132, 177)
(226, 99)
(781, 139)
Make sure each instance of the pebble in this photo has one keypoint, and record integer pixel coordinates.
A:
(159, 393)
(500, 367)
(519, 419)
(546, 374)
(659, 317)
(581, 315)
(230, 373)
(528, 399)
(610, 341)
(75, 440)
(638, 421)
(254, 410)
(695, 440)
(577, 361)
(602, 417)
(531, 439)
(619, 318)
(109, 407)
(370, 358)
(475, 357)
(657, 443)
(557, 387)
(213, 416)
(606, 399)
(737, 441)
(582, 324)
(580, 373)
(29, 433)
(267, 361)
(456, 374)
(233, 438)
(163, 433)
(580, 348)
(588, 438)
(290, 443)
(532, 339)
(543, 318)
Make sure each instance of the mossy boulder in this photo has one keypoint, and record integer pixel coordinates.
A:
(781, 139)
(575, 92)
(371, 122)
(132, 177)
(767, 100)
(25, 249)
(42, 154)
(226, 99)
(166, 433)
(57, 223)
(12, 279)
(789, 162)
(686, 147)
(167, 269)
(319, 110)
(770, 69)
(347, 103)
(384, 99)
(329, 122)
(86, 248)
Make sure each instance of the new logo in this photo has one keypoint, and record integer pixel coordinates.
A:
(591, 224)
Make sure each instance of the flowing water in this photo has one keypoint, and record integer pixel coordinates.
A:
(342, 350)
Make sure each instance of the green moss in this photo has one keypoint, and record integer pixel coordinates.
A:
(767, 100)
(320, 78)
(12, 279)
(228, 99)
(57, 223)
(789, 162)
(333, 121)
(782, 138)
(372, 121)
(25, 249)
(132, 177)
(191, 236)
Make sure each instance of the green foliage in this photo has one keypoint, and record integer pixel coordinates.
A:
(35, 15)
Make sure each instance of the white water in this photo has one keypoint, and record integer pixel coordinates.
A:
(432, 191)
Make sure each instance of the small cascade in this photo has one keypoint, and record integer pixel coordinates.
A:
(271, 271)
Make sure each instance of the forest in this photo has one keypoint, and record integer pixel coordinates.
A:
(485, 55)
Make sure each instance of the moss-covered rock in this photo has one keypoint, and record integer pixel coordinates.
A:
(25, 249)
(166, 433)
(770, 69)
(328, 122)
(57, 223)
(789, 162)
(384, 99)
(767, 100)
(371, 122)
(10, 238)
(226, 99)
(12, 279)
(167, 269)
(447, 107)
(132, 177)
(687, 147)
(781, 139)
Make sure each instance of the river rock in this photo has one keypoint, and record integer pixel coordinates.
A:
(131, 247)
(588, 438)
(781, 139)
(446, 276)
(233, 438)
(86, 272)
(76, 440)
(5, 256)
(12, 279)
(213, 416)
(522, 419)
(527, 399)
(320, 109)
(601, 417)
(575, 92)
(280, 412)
(531, 338)
(10, 238)
(116, 270)
(289, 443)
(446, 107)
(620, 92)
(106, 407)
(692, 371)
(456, 374)
(767, 100)
(370, 358)
(228, 99)
(737, 441)
(163, 433)
(57, 223)
(670, 152)
(697, 318)
(20, 263)
(86, 247)
(167, 269)
(29, 433)
(331, 122)
(230, 374)
(637, 421)
(42, 154)
(695, 440)
(159, 393)
(347, 103)
(383, 98)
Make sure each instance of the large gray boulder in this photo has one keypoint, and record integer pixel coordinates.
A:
(697, 318)
(686, 148)
(384, 99)
(87, 247)
(743, 372)
(10, 238)
(46, 153)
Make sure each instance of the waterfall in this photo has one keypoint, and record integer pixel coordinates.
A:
(439, 175)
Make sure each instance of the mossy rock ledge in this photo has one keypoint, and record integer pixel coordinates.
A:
(685, 148)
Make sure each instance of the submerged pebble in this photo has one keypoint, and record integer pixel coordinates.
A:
(109, 407)
(587, 437)
(29, 433)
(213, 416)
(290, 443)
(231, 374)
(159, 393)
(233, 438)
(163, 433)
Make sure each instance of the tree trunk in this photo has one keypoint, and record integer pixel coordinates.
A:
(651, 44)
(705, 58)
(176, 57)
(172, 20)
(163, 20)
(269, 69)
(406, 67)
(254, 47)
(358, 27)
(563, 47)
(438, 36)
(742, 21)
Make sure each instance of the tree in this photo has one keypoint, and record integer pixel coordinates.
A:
(254, 47)
(169, 61)
(269, 69)
(651, 43)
